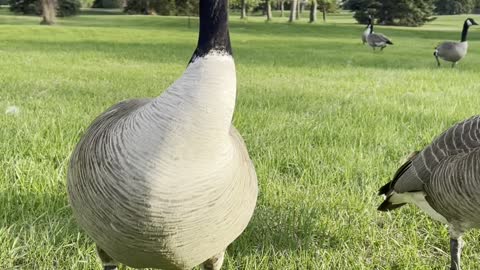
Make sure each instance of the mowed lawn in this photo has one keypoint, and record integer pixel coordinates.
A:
(327, 121)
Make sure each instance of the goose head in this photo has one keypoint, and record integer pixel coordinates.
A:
(470, 22)
(369, 24)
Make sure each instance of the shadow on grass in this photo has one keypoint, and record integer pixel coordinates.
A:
(284, 229)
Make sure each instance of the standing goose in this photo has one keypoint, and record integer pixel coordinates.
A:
(452, 51)
(444, 181)
(377, 39)
(167, 182)
(367, 31)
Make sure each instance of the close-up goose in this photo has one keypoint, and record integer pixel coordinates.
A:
(167, 182)
(366, 32)
(452, 51)
(444, 181)
(377, 40)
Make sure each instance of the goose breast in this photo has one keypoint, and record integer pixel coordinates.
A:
(150, 197)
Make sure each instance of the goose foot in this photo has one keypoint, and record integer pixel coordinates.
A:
(108, 262)
(214, 263)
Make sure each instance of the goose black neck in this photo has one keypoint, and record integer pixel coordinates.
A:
(464, 32)
(213, 34)
(371, 27)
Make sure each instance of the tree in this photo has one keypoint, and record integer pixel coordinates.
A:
(451, 7)
(362, 9)
(327, 5)
(243, 14)
(313, 11)
(297, 10)
(268, 11)
(282, 7)
(48, 12)
(393, 12)
(293, 10)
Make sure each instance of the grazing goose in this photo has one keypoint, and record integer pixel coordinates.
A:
(452, 51)
(444, 181)
(366, 32)
(377, 39)
(167, 182)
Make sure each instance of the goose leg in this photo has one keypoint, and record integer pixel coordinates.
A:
(456, 245)
(108, 262)
(453, 64)
(214, 263)
(456, 251)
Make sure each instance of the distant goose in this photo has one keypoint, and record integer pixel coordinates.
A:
(366, 32)
(377, 40)
(452, 51)
(167, 182)
(444, 181)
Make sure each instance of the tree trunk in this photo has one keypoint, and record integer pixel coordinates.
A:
(269, 10)
(301, 6)
(313, 11)
(297, 8)
(282, 7)
(48, 12)
(243, 14)
(324, 11)
(293, 10)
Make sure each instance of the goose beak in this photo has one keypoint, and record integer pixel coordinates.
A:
(474, 22)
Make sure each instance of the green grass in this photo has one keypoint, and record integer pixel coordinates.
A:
(326, 121)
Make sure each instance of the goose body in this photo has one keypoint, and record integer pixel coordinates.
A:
(167, 182)
(452, 51)
(377, 40)
(444, 181)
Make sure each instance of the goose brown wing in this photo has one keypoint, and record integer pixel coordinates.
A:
(454, 187)
(462, 138)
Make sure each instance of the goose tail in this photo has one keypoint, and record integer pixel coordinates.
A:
(394, 200)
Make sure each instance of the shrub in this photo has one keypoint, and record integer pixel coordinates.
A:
(392, 12)
(451, 7)
(108, 4)
(33, 7)
(162, 7)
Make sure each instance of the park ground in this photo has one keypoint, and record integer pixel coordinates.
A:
(327, 121)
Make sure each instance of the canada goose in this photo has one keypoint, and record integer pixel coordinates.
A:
(452, 51)
(167, 182)
(377, 39)
(444, 181)
(366, 32)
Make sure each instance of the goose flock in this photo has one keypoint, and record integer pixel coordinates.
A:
(449, 51)
(167, 182)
